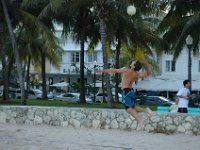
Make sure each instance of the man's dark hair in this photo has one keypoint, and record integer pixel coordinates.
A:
(138, 66)
(185, 82)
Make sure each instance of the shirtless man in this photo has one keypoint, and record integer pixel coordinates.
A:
(129, 76)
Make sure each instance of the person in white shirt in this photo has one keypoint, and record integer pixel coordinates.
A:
(183, 97)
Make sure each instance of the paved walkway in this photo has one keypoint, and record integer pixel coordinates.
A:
(27, 137)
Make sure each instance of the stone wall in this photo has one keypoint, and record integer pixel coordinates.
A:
(99, 118)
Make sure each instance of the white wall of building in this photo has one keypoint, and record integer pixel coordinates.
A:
(181, 71)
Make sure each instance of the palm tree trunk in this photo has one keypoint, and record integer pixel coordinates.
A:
(82, 42)
(5, 69)
(3, 57)
(27, 76)
(6, 74)
(82, 82)
(44, 90)
(15, 50)
(117, 66)
(105, 61)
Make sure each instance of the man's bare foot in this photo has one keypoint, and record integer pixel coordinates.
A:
(149, 111)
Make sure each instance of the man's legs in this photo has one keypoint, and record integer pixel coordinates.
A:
(147, 110)
(133, 112)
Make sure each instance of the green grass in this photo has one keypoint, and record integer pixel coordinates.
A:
(51, 103)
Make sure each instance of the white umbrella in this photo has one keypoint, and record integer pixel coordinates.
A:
(148, 84)
(169, 85)
(61, 84)
(97, 84)
(175, 85)
(156, 84)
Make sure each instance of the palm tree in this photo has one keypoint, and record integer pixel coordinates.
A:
(15, 50)
(5, 67)
(26, 19)
(31, 45)
(182, 18)
(76, 20)
(81, 28)
(49, 45)
(102, 9)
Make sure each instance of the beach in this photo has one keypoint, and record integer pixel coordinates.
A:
(29, 137)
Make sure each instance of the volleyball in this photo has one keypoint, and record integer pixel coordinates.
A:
(131, 10)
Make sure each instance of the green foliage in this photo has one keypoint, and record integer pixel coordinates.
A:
(181, 19)
(75, 86)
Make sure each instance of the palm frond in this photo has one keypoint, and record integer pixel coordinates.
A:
(46, 36)
(191, 24)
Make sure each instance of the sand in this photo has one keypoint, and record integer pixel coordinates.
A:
(27, 137)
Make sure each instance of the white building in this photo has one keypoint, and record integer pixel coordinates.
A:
(179, 69)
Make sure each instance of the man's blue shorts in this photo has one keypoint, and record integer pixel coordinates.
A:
(128, 98)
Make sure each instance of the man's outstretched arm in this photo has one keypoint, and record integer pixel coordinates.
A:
(112, 70)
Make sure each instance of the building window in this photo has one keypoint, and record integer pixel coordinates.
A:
(170, 66)
(92, 57)
(75, 57)
(167, 67)
(173, 66)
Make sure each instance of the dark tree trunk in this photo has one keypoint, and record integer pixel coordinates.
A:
(27, 76)
(82, 80)
(105, 61)
(82, 66)
(117, 66)
(5, 68)
(44, 90)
